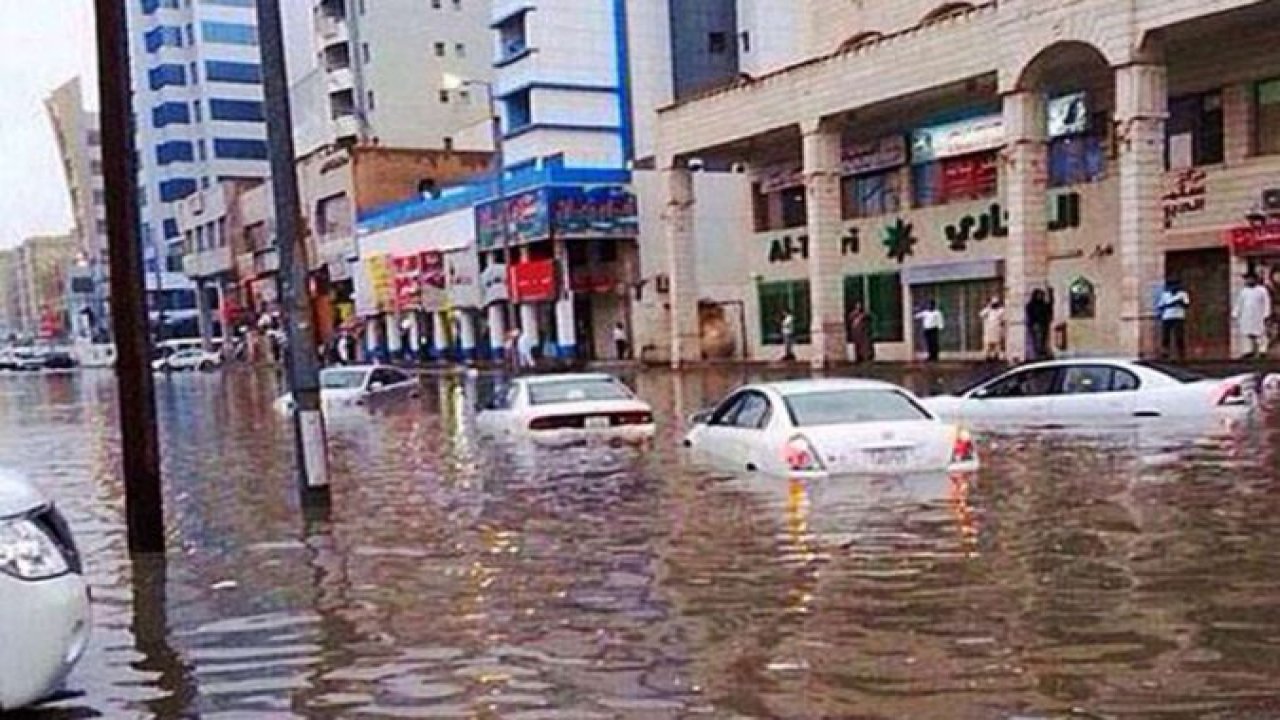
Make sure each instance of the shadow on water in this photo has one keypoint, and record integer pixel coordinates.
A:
(1102, 574)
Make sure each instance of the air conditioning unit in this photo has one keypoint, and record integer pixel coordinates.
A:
(1271, 200)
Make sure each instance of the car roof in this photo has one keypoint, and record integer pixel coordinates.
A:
(802, 387)
(352, 368)
(17, 496)
(1070, 362)
(567, 377)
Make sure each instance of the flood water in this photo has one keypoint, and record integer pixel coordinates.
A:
(1100, 576)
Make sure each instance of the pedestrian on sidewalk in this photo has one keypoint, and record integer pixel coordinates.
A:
(1172, 309)
(524, 350)
(993, 329)
(932, 322)
(864, 349)
(620, 343)
(788, 328)
(1039, 318)
(1252, 312)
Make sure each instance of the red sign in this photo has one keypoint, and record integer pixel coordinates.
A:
(1255, 239)
(406, 280)
(592, 281)
(533, 281)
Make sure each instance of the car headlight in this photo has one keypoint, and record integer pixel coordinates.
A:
(28, 553)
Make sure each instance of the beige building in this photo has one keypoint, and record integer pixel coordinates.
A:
(955, 152)
(43, 266)
(10, 307)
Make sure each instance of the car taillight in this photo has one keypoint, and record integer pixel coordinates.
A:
(633, 418)
(555, 423)
(1233, 394)
(800, 455)
(963, 449)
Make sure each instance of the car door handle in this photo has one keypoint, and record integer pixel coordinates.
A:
(1146, 414)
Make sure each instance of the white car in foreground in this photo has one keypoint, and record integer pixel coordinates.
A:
(827, 428)
(44, 601)
(352, 386)
(1067, 393)
(189, 359)
(569, 409)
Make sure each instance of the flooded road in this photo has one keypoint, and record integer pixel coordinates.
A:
(1074, 577)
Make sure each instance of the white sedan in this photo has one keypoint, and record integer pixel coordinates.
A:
(44, 601)
(189, 359)
(568, 409)
(1067, 393)
(825, 428)
(352, 386)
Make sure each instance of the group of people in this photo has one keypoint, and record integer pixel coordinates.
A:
(1039, 320)
(1252, 314)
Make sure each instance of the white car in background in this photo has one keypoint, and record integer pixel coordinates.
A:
(828, 428)
(188, 359)
(1088, 392)
(568, 409)
(352, 386)
(44, 600)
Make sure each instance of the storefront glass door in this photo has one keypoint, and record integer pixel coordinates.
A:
(961, 304)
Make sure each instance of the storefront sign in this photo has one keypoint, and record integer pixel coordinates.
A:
(882, 154)
(597, 212)
(1068, 115)
(407, 281)
(990, 223)
(533, 281)
(1255, 239)
(593, 280)
(432, 281)
(957, 138)
(1186, 195)
(786, 248)
(463, 270)
(851, 243)
(493, 284)
(779, 177)
(528, 220)
(382, 283)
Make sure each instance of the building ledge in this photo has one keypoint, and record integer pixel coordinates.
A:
(568, 127)
(514, 58)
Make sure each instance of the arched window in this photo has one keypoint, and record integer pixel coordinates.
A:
(1082, 299)
(858, 40)
(949, 10)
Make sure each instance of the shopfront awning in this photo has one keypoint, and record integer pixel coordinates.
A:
(953, 272)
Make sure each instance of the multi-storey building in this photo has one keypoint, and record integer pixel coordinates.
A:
(198, 108)
(42, 271)
(10, 304)
(924, 151)
(385, 65)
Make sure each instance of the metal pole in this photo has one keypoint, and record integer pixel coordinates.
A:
(144, 504)
(301, 364)
(500, 183)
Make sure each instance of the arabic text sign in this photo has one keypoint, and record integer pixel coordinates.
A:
(962, 137)
(596, 212)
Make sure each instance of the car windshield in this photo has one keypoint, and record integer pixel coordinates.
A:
(841, 407)
(1177, 373)
(583, 390)
(342, 379)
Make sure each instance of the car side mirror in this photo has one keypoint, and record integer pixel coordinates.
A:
(700, 418)
(375, 386)
(980, 394)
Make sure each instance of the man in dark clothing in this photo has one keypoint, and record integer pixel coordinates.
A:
(1039, 319)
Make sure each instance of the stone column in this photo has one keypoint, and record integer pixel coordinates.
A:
(440, 335)
(682, 260)
(566, 327)
(372, 342)
(821, 150)
(394, 346)
(467, 334)
(415, 334)
(529, 323)
(1141, 108)
(497, 330)
(1025, 178)
(204, 315)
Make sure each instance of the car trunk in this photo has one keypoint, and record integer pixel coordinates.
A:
(593, 416)
(883, 447)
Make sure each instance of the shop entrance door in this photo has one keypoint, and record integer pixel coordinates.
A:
(961, 304)
(584, 322)
(1206, 275)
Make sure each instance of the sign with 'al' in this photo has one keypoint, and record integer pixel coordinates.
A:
(961, 137)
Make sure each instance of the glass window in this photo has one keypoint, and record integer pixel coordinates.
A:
(236, 110)
(440, 49)
(233, 72)
(880, 295)
(778, 298)
(852, 406)
(1195, 135)
(569, 391)
(1267, 118)
(872, 194)
(747, 410)
(240, 149)
(961, 304)
(342, 379)
(1077, 159)
(1086, 380)
(228, 33)
(794, 211)
(1024, 384)
(968, 177)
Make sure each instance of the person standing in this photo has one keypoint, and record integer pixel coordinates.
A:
(864, 349)
(620, 343)
(993, 329)
(1172, 309)
(1252, 312)
(1039, 317)
(788, 327)
(524, 350)
(932, 322)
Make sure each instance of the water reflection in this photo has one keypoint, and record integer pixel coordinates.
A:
(1104, 574)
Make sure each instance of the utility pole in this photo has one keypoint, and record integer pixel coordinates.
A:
(144, 503)
(302, 367)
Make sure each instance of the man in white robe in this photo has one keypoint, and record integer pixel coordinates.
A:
(1253, 310)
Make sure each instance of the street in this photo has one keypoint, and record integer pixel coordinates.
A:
(1100, 575)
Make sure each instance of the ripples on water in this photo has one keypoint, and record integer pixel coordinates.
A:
(1106, 576)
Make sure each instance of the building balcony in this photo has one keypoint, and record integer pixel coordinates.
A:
(346, 127)
(208, 263)
(340, 81)
(332, 30)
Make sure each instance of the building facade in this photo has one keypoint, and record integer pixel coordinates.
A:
(384, 65)
(199, 111)
(1094, 152)
(43, 267)
(10, 303)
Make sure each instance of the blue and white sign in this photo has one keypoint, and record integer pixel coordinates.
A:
(953, 139)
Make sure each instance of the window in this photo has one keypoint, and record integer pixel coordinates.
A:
(201, 150)
(1077, 159)
(195, 75)
(1195, 134)
(170, 113)
(794, 211)
(1089, 379)
(173, 152)
(778, 298)
(457, 4)
(745, 38)
(229, 33)
(230, 3)
(191, 34)
(436, 4)
(236, 110)
(333, 216)
(572, 391)
(817, 409)
(872, 194)
(163, 36)
(519, 110)
(99, 198)
(196, 112)
(1023, 384)
(440, 51)
(166, 75)
(171, 225)
(444, 96)
(1082, 299)
(95, 138)
(240, 149)
(957, 179)
(176, 189)
(366, 55)
(371, 101)
(881, 296)
(460, 49)
(1267, 117)
(717, 43)
(745, 411)
(233, 72)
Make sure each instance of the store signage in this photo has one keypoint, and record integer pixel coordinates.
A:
(851, 243)
(493, 284)
(786, 248)
(528, 220)
(533, 281)
(381, 283)
(463, 270)
(882, 154)
(593, 280)
(1187, 194)
(407, 280)
(977, 227)
(779, 177)
(596, 212)
(957, 138)
(1068, 115)
(432, 280)
(1255, 239)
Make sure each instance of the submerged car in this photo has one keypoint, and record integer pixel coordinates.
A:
(569, 409)
(1066, 393)
(354, 386)
(187, 359)
(827, 428)
(44, 600)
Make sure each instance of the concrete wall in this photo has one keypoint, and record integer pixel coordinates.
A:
(771, 35)
(694, 67)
